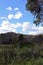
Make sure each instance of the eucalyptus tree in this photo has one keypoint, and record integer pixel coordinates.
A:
(36, 8)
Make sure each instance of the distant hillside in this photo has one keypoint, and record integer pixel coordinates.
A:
(12, 37)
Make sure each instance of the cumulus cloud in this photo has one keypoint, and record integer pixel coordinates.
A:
(35, 32)
(30, 28)
(17, 15)
(6, 26)
(40, 28)
(16, 8)
(18, 25)
(9, 8)
(10, 16)
(25, 27)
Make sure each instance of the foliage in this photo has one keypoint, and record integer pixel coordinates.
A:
(36, 7)
(16, 55)
(21, 40)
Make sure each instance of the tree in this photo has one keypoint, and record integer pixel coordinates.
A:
(21, 40)
(36, 7)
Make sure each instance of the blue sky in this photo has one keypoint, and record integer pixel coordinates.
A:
(15, 18)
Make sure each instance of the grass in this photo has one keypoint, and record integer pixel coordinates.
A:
(16, 55)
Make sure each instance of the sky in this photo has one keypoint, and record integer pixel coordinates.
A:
(15, 18)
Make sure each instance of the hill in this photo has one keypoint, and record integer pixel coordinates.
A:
(12, 37)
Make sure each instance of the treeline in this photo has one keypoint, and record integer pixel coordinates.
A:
(13, 38)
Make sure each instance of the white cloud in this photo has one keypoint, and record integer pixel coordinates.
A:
(17, 15)
(6, 26)
(40, 28)
(30, 28)
(25, 28)
(10, 16)
(16, 8)
(35, 32)
(18, 25)
(9, 8)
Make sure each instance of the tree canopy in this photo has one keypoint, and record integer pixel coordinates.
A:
(36, 7)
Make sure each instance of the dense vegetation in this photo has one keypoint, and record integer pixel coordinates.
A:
(22, 50)
(36, 8)
(31, 54)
